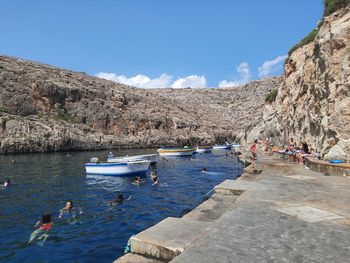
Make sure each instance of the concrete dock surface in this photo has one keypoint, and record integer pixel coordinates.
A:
(286, 213)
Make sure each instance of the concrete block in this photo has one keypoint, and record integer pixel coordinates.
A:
(308, 213)
(299, 177)
(133, 258)
(167, 239)
(237, 187)
(213, 208)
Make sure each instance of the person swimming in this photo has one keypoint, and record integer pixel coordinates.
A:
(41, 233)
(204, 170)
(7, 183)
(137, 180)
(68, 209)
(69, 206)
(118, 199)
(155, 179)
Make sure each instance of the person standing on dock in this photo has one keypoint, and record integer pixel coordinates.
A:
(253, 149)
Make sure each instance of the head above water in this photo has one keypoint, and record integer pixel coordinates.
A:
(69, 205)
(46, 218)
(120, 197)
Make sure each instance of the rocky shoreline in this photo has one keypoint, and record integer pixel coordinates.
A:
(43, 109)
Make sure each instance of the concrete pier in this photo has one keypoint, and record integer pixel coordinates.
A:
(286, 213)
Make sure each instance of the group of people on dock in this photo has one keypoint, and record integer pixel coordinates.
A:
(296, 153)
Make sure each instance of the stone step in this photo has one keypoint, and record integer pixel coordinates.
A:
(237, 187)
(168, 238)
(213, 208)
(134, 258)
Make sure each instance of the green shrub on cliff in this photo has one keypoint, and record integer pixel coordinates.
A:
(330, 6)
(271, 97)
(3, 109)
(306, 40)
(62, 115)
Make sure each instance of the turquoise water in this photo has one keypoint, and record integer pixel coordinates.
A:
(45, 182)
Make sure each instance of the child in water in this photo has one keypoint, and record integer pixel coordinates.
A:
(155, 178)
(41, 233)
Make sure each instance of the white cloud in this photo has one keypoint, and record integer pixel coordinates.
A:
(140, 81)
(193, 81)
(271, 66)
(163, 81)
(243, 76)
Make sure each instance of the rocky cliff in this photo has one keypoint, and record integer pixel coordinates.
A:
(313, 101)
(43, 108)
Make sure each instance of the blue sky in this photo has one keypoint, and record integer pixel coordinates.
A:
(159, 42)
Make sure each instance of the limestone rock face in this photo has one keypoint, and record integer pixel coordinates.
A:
(43, 108)
(313, 101)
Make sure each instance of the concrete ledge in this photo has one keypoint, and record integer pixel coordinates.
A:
(167, 239)
(342, 169)
(133, 258)
(213, 208)
(237, 187)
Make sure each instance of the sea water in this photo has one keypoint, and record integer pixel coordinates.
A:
(98, 232)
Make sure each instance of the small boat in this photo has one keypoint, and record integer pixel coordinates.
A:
(222, 147)
(153, 158)
(117, 168)
(204, 149)
(176, 151)
(235, 146)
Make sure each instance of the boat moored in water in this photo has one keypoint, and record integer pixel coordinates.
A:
(117, 168)
(204, 149)
(153, 158)
(176, 151)
(235, 146)
(222, 147)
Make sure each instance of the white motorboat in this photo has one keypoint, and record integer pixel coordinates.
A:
(176, 151)
(222, 147)
(117, 168)
(236, 146)
(204, 149)
(153, 158)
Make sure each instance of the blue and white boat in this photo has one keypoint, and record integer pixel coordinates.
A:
(222, 147)
(153, 158)
(117, 168)
(204, 149)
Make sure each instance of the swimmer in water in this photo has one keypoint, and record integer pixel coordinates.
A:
(137, 180)
(7, 183)
(41, 233)
(155, 178)
(204, 170)
(67, 209)
(118, 199)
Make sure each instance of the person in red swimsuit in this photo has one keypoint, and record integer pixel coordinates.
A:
(253, 149)
(41, 233)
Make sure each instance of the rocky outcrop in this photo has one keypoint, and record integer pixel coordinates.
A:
(43, 108)
(313, 101)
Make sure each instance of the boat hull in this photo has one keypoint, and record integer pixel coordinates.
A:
(176, 152)
(204, 150)
(118, 169)
(153, 158)
(222, 147)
